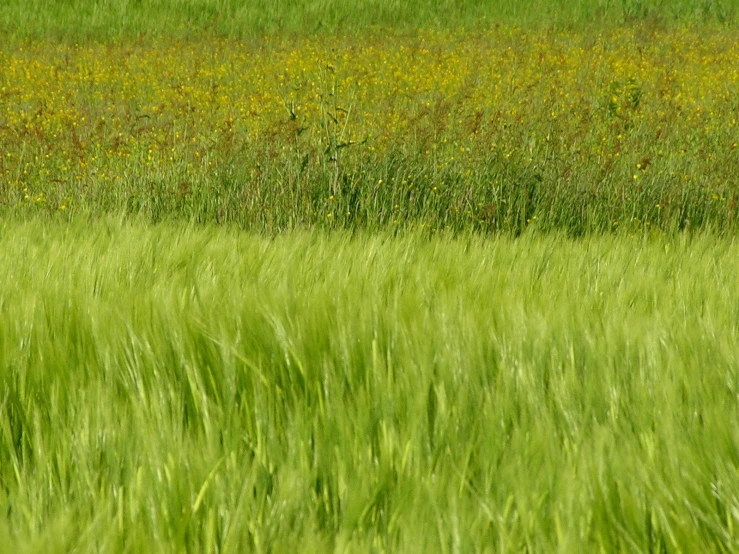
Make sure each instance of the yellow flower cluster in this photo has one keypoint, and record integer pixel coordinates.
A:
(619, 103)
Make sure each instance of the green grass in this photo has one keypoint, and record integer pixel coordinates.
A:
(81, 19)
(385, 368)
(169, 388)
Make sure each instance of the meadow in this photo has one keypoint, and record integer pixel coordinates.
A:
(581, 131)
(323, 276)
(105, 19)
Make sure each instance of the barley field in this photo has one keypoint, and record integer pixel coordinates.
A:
(379, 276)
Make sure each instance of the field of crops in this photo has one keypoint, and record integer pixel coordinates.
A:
(393, 277)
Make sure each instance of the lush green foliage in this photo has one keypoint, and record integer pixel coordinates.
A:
(167, 389)
(79, 19)
(396, 372)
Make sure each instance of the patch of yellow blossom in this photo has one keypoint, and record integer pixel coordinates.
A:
(76, 117)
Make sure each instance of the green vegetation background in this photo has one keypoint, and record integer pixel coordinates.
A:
(170, 389)
(239, 18)
(180, 387)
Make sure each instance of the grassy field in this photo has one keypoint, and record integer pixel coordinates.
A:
(598, 130)
(578, 131)
(369, 276)
(104, 19)
(189, 389)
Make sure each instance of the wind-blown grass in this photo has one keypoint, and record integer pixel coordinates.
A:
(193, 389)
(395, 372)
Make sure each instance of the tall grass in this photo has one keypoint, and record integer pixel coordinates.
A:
(580, 131)
(191, 389)
(82, 19)
(168, 386)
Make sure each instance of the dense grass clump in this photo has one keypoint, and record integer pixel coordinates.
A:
(181, 389)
